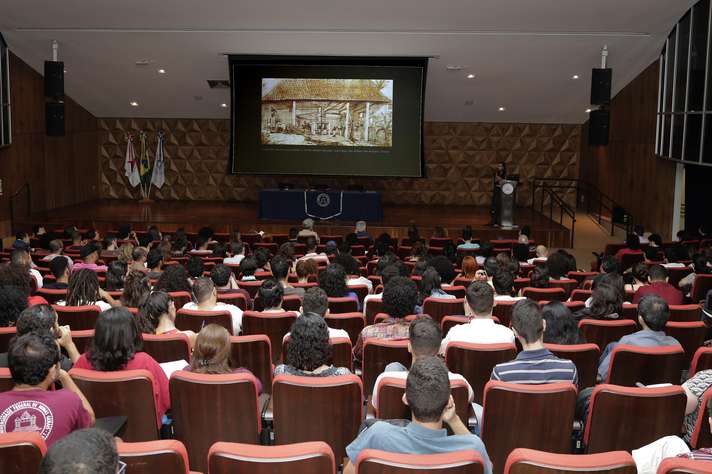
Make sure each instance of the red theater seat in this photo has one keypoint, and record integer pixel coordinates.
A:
(180, 298)
(377, 354)
(315, 457)
(195, 319)
(691, 336)
(437, 308)
(167, 347)
(530, 461)
(352, 323)
(702, 284)
(165, 456)
(545, 294)
(585, 356)
(6, 382)
(343, 305)
(372, 461)
(77, 317)
(5, 335)
(21, 453)
(255, 354)
(274, 325)
(235, 299)
(603, 332)
(683, 466)
(702, 360)
(503, 311)
(476, 361)
(626, 418)
(701, 436)
(647, 365)
(52, 296)
(567, 285)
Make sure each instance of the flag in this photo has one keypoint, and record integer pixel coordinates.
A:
(158, 177)
(130, 164)
(145, 162)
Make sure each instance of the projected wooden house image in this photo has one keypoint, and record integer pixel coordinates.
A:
(327, 112)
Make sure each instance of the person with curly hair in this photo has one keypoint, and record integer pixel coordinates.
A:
(270, 295)
(116, 346)
(333, 280)
(173, 278)
(84, 290)
(305, 269)
(157, 315)
(309, 351)
(353, 270)
(115, 275)
(137, 287)
(126, 253)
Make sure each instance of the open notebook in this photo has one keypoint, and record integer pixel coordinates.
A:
(170, 367)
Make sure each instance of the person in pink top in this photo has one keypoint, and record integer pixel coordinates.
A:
(89, 255)
(117, 346)
(30, 406)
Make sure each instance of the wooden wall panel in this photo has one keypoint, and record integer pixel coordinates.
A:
(61, 170)
(627, 169)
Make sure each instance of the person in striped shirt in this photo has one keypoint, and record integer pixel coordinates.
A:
(535, 364)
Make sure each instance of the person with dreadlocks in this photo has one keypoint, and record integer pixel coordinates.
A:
(84, 290)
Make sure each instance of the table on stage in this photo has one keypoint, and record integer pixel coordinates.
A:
(298, 204)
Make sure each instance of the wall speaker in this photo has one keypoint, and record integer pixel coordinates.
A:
(54, 119)
(601, 86)
(54, 79)
(598, 127)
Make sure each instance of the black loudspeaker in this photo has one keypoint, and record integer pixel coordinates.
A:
(53, 79)
(54, 119)
(601, 86)
(598, 125)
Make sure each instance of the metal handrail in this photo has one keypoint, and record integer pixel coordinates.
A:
(563, 208)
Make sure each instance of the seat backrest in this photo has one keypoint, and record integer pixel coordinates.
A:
(701, 436)
(167, 347)
(372, 461)
(567, 285)
(235, 299)
(314, 457)
(448, 322)
(391, 406)
(647, 365)
(274, 325)
(82, 339)
(581, 295)
(437, 308)
(702, 360)
(507, 421)
(690, 334)
(626, 418)
(21, 453)
(683, 466)
(476, 361)
(702, 284)
(372, 308)
(343, 305)
(52, 296)
(630, 259)
(584, 356)
(352, 323)
(234, 413)
(685, 313)
(181, 298)
(503, 311)
(377, 354)
(123, 393)
(328, 409)
(581, 276)
(195, 319)
(602, 333)
(255, 354)
(6, 382)
(360, 290)
(545, 294)
(252, 287)
(5, 335)
(167, 456)
(456, 290)
(77, 317)
(530, 461)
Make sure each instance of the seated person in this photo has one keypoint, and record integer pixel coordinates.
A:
(427, 393)
(89, 255)
(174, 278)
(424, 339)
(111, 247)
(308, 230)
(305, 269)
(701, 266)
(261, 256)
(211, 354)
(632, 247)
(659, 286)
(443, 265)
(77, 243)
(606, 303)
(157, 315)
(558, 265)
(653, 314)
(117, 346)
(542, 254)
(61, 270)
(353, 270)
(503, 283)
(540, 277)
(237, 253)
(399, 299)
(115, 276)
(479, 301)
(431, 287)
(561, 326)
(137, 287)
(31, 405)
(206, 297)
(333, 281)
(84, 290)
(535, 364)
(138, 259)
(20, 258)
(248, 267)
(279, 266)
(520, 252)
(469, 269)
(390, 271)
(468, 244)
(195, 267)
(315, 301)
(201, 247)
(309, 351)
(82, 452)
(310, 252)
(154, 263)
(56, 247)
(225, 282)
(271, 295)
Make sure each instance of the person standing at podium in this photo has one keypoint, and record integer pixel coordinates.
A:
(500, 176)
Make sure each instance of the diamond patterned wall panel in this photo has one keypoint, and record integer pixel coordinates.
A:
(459, 162)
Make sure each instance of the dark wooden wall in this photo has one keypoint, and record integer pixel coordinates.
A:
(61, 170)
(627, 170)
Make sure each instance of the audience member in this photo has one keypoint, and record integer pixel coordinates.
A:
(309, 351)
(206, 299)
(157, 315)
(174, 278)
(56, 247)
(84, 290)
(558, 266)
(540, 277)
(271, 294)
(61, 270)
(352, 267)
(316, 302)
(279, 266)
(89, 254)
(639, 275)
(248, 267)
(20, 258)
(392, 270)
(427, 394)
(632, 247)
(34, 365)
(138, 259)
(503, 283)
(658, 277)
(431, 287)
(333, 281)
(469, 268)
(137, 287)
(82, 452)
(468, 244)
(520, 252)
(308, 230)
(117, 345)
(561, 326)
(115, 275)
(311, 253)
(126, 253)
(225, 282)
(154, 263)
(701, 267)
(542, 254)
(482, 329)
(237, 251)
(305, 269)
(606, 303)
(13, 301)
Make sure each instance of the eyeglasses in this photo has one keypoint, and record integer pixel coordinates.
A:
(122, 468)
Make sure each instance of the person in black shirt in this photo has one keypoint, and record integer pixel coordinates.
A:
(59, 266)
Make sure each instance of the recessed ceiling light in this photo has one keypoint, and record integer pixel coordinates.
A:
(223, 105)
(454, 67)
(65, 71)
(133, 103)
(161, 71)
(502, 109)
(575, 76)
(470, 76)
(588, 111)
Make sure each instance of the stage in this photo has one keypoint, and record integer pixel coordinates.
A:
(224, 216)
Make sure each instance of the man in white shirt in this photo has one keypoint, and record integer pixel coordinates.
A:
(315, 301)
(55, 250)
(542, 253)
(387, 273)
(503, 283)
(481, 329)
(21, 258)
(206, 296)
(310, 252)
(424, 338)
(308, 230)
(238, 253)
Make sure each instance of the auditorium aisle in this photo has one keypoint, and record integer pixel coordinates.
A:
(591, 237)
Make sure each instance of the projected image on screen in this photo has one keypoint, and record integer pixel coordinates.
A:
(327, 112)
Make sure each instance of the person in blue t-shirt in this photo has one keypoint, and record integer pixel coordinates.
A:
(427, 393)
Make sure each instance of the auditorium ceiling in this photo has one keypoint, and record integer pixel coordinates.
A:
(523, 54)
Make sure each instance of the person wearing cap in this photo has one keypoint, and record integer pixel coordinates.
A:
(89, 254)
(308, 230)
